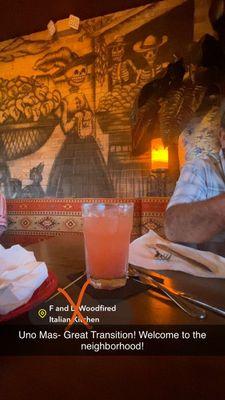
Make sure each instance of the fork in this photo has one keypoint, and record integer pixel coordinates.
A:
(185, 304)
(160, 255)
(182, 257)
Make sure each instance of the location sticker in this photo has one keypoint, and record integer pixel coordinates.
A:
(42, 313)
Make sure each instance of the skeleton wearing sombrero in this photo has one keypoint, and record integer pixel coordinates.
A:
(123, 71)
(149, 47)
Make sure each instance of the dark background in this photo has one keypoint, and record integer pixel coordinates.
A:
(22, 17)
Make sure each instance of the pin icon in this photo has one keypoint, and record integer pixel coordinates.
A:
(42, 313)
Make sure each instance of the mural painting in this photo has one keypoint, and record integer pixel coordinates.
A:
(136, 58)
(78, 112)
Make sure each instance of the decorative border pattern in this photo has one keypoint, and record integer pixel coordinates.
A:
(152, 214)
(32, 220)
(65, 204)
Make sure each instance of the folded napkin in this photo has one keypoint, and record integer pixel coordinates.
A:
(20, 276)
(142, 254)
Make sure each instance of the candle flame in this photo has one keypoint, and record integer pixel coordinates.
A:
(159, 154)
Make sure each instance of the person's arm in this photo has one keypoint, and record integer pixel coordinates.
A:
(191, 216)
(195, 222)
(67, 125)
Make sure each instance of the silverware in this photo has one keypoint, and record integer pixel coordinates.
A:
(185, 304)
(159, 255)
(152, 274)
(182, 257)
(209, 307)
(162, 256)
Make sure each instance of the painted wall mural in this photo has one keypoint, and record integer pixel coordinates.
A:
(71, 107)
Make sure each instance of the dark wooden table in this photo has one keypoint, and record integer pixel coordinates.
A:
(65, 256)
(111, 377)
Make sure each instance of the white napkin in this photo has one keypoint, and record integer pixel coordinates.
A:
(142, 254)
(20, 276)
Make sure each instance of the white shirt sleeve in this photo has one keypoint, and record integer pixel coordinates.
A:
(191, 185)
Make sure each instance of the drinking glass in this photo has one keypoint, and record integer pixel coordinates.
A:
(107, 229)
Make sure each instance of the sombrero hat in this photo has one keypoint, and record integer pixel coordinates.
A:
(87, 59)
(118, 40)
(149, 42)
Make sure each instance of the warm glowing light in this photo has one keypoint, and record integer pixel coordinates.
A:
(159, 154)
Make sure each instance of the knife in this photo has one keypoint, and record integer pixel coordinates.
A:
(217, 310)
(182, 257)
(188, 307)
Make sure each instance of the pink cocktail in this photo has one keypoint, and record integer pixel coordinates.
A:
(107, 229)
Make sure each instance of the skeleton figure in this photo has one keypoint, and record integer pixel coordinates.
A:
(77, 105)
(79, 169)
(149, 47)
(122, 71)
(79, 75)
